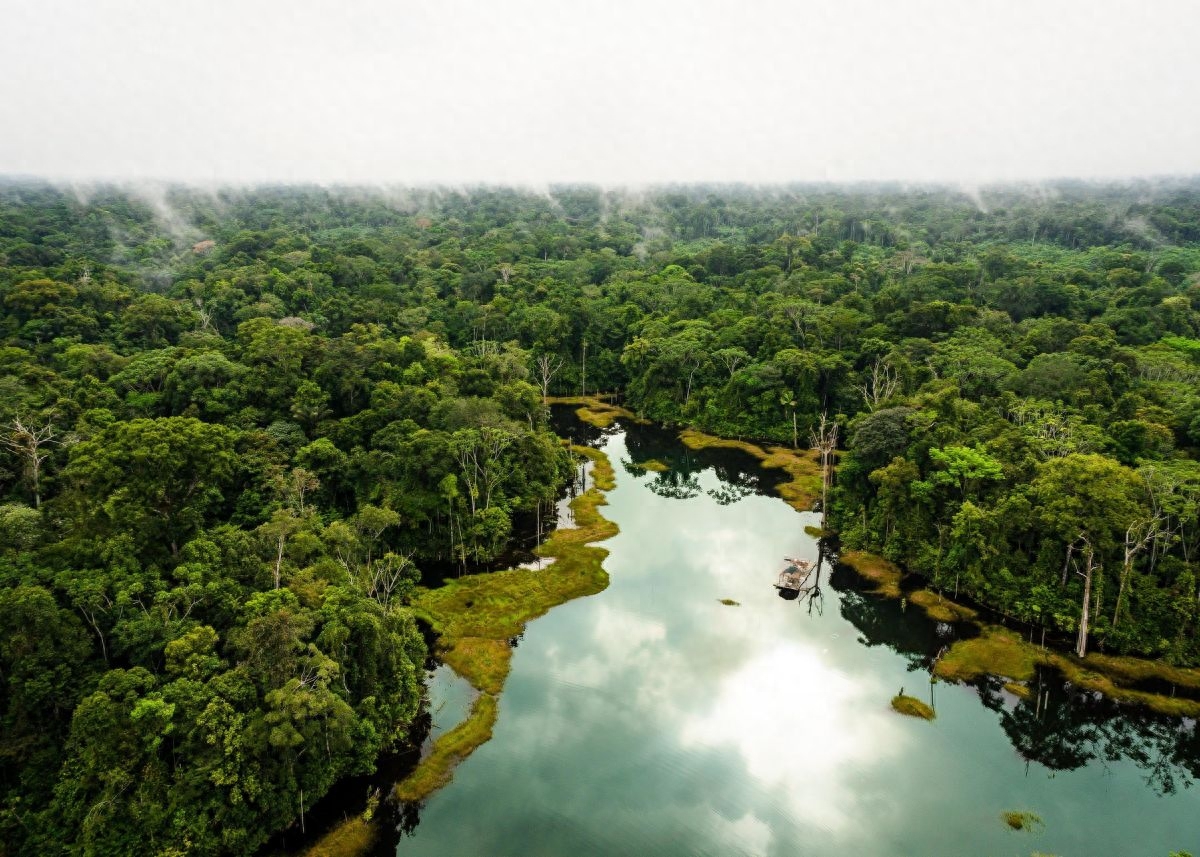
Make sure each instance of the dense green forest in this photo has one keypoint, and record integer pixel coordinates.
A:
(239, 426)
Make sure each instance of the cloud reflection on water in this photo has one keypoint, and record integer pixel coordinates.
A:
(753, 685)
(653, 720)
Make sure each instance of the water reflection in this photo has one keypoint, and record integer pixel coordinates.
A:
(1057, 726)
(654, 719)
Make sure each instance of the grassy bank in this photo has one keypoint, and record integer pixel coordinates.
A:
(939, 608)
(883, 573)
(912, 707)
(996, 651)
(596, 411)
(474, 618)
(1002, 652)
(352, 837)
(801, 491)
(450, 749)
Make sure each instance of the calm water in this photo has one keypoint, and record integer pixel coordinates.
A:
(653, 720)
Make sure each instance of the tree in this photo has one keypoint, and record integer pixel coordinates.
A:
(824, 437)
(547, 367)
(879, 384)
(964, 467)
(310, 404)
(788, 399)
(31, 444)
(1087, 502)
(1138, 535)
(731, 359)
(154, 480)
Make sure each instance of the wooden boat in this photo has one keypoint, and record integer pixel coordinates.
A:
(794, 575)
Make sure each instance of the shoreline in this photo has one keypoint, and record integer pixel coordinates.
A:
(1001, 652)
(997, 650)
(474, 618)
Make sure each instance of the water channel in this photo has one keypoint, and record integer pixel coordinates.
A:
(652, 719)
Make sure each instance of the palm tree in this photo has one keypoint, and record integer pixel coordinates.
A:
(788, 399)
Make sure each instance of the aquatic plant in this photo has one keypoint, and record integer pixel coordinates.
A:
(912, 706)
(1022, 820)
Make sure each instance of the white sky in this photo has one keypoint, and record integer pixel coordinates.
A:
(613, 91)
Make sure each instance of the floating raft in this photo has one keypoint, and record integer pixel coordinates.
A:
(794, 575)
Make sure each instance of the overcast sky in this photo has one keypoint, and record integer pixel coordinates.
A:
(613, 91)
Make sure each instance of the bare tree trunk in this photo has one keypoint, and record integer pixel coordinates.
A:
(1067, 564)
(1085, 611)
(1135, 543)
(880, 384)
(547, 367)
(27, 442)
(279, 559)
(824, 440)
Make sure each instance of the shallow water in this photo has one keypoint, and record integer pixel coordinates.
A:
(653, 720)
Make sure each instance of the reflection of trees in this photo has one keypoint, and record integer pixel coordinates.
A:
(676, 485)
(1167, 749)
(740, 474)
(1053, 735)
(729, 494)
(883, 621)
(404, 820)
(565, 424)
(631, 468)
(1058, 727)
(1064, 729)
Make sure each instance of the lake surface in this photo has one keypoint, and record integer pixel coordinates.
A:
(651, 719)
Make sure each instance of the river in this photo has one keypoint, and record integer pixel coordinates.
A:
(652, 719)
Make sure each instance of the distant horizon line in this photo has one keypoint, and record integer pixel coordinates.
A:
(532, 184)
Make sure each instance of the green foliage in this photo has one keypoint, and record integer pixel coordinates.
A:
(257, 442)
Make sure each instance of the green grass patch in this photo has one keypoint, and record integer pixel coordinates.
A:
(1092, 673)
(1000, 652)
(351, 838)
(912, 707)
(1018, 689)
(475, 616)
(729, 602)
(939, 608)
(803, 466)
(595, 411)
(653, 466)
(885, 574)
(1022, 820)
(1133, 670)
(435, 770)
(996, 651)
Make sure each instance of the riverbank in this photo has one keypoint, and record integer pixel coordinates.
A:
(596, 410)
(996, 650)
(1001, 652)
(474, 618)
(800, 492)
